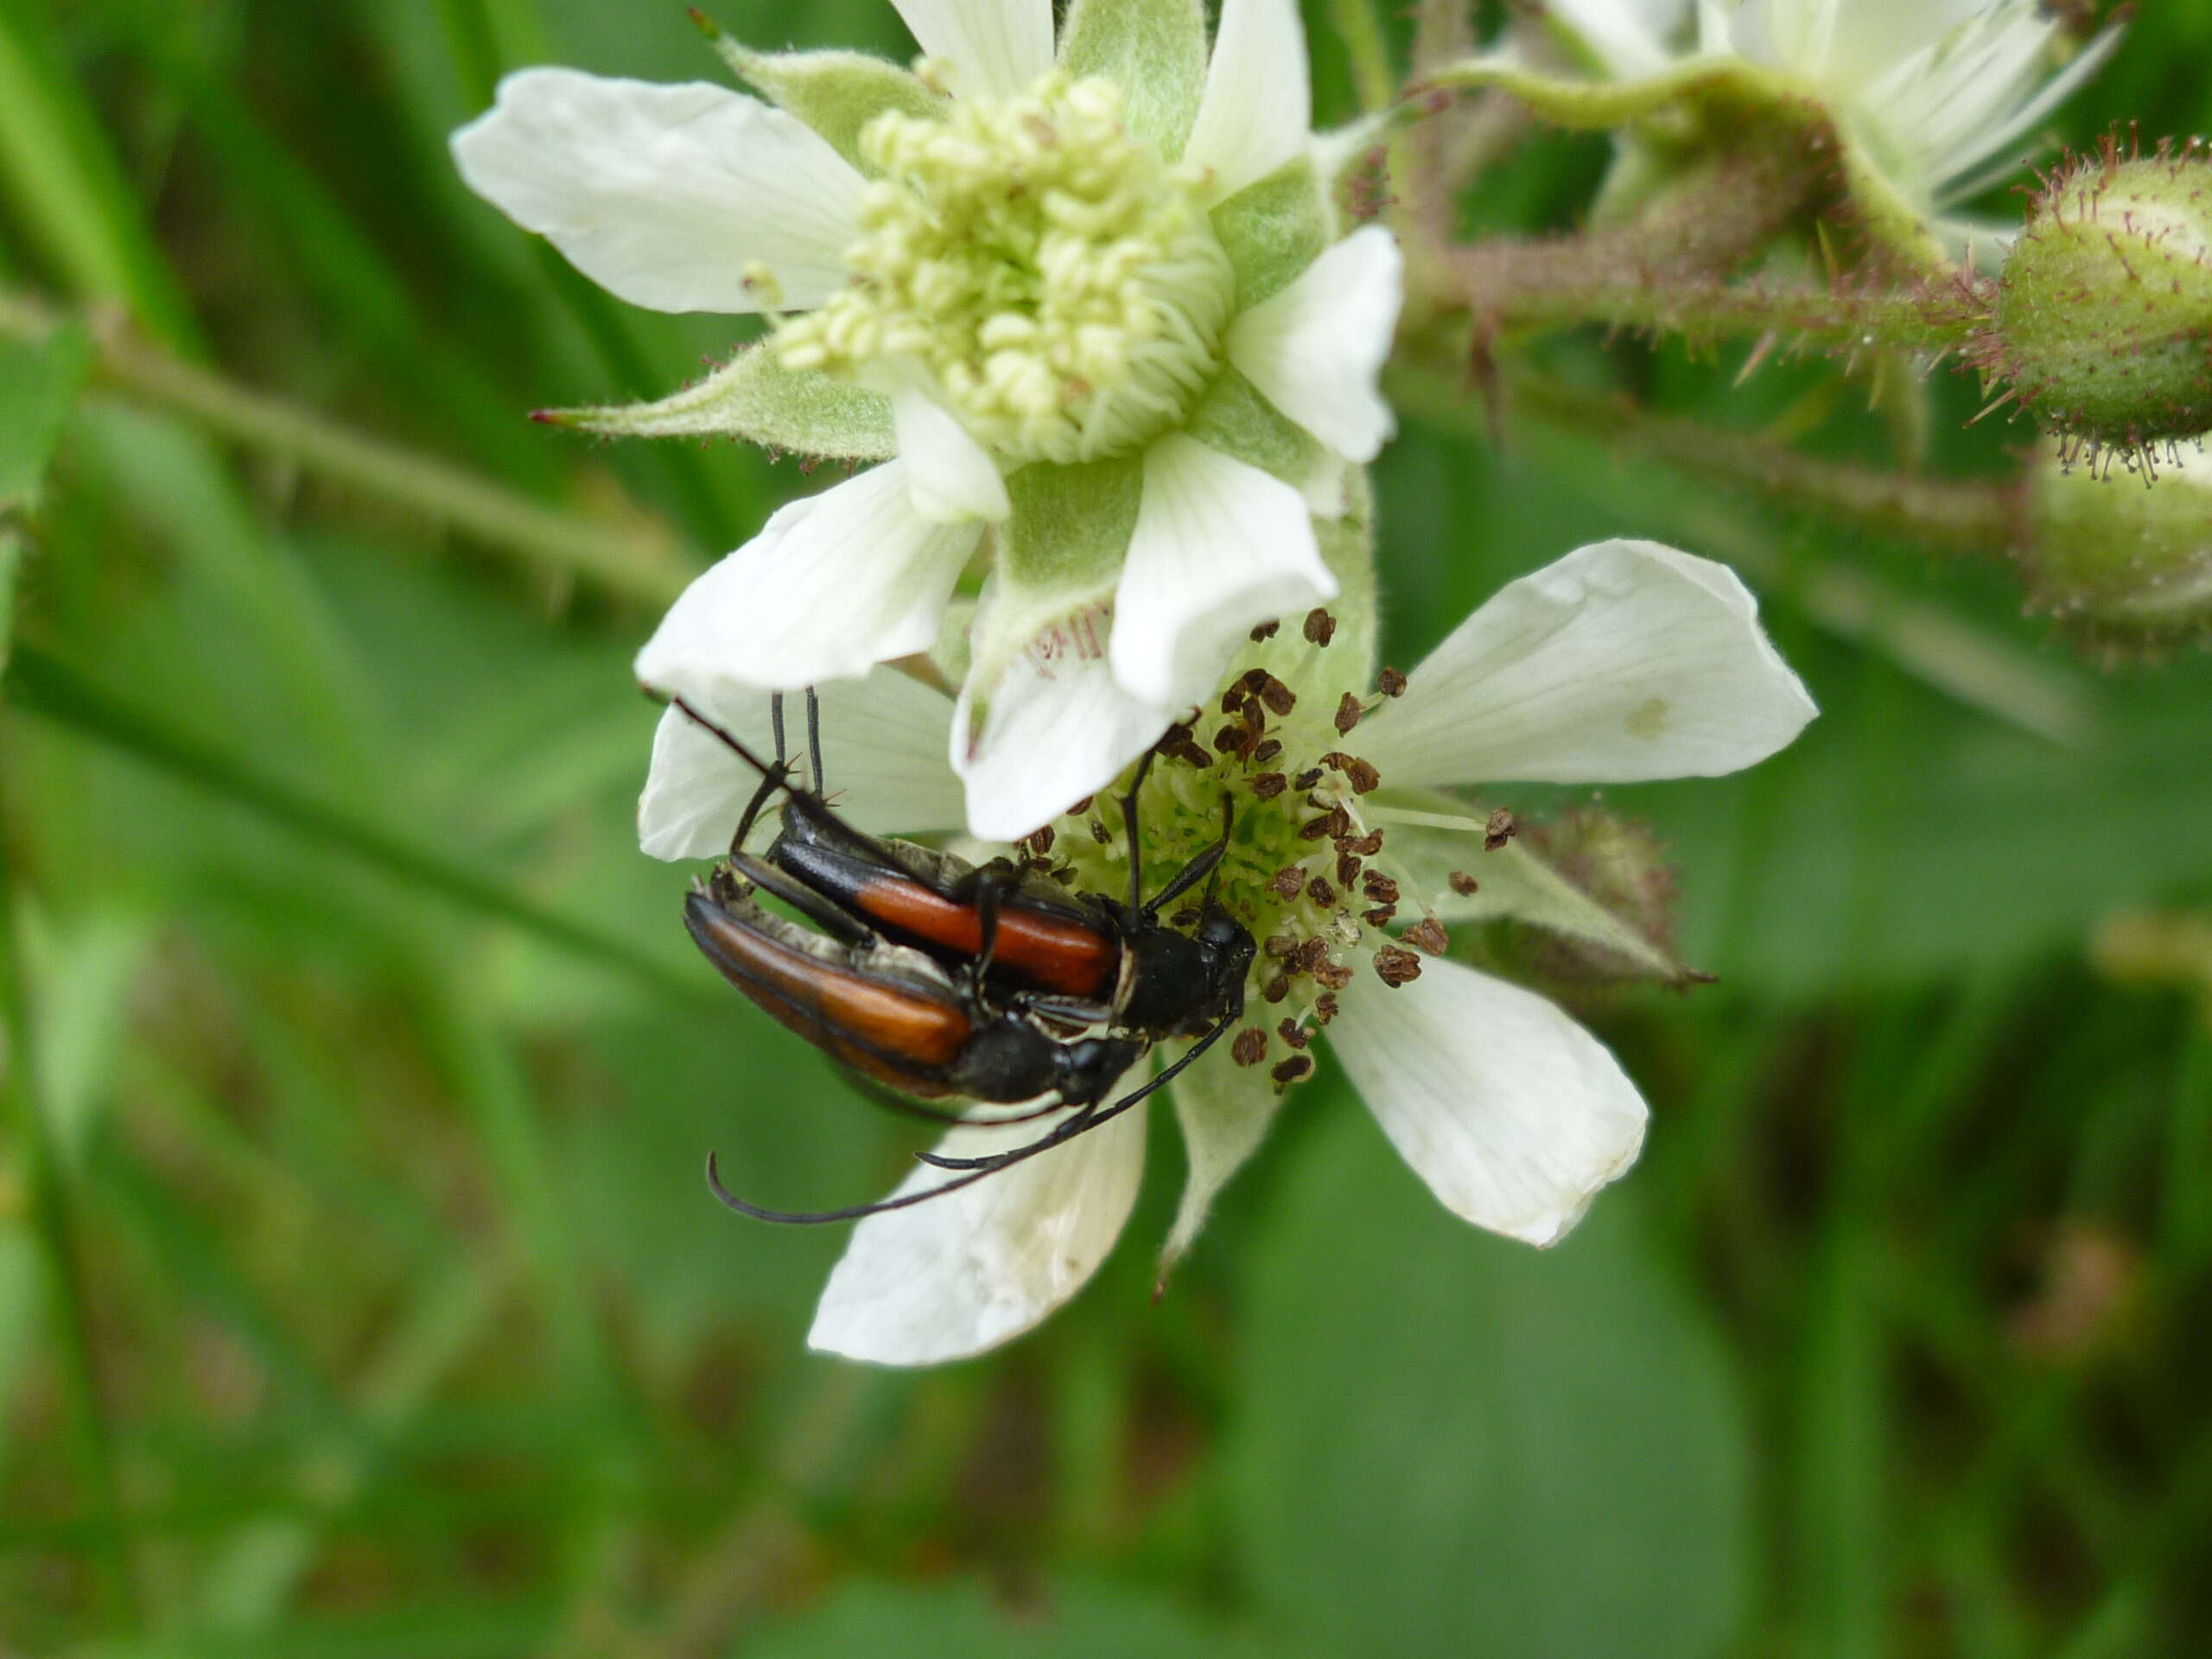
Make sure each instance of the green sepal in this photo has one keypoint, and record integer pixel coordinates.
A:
(1234, 417)
(1273, 229)
(1515, 884)
(836, 94)
(1059, 552)
(757, 399)
(39, 383)
(1155, 50)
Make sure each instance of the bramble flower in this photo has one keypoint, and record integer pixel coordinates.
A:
(1623, 661)
(1931, 98)
(1088, 304)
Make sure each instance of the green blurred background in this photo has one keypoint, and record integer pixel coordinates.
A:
(359, 1292)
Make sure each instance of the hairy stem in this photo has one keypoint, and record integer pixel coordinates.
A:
(635, 564)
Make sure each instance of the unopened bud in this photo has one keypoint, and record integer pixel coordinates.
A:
(2104, 312)
(2124, 559)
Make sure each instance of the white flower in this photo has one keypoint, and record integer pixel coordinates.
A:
(1623, 661)
(1091, 296)
(1936, 91)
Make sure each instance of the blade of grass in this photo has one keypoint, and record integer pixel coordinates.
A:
(54, 1221)
(44, 685)
(71, 188)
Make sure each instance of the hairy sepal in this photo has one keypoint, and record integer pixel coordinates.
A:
(1155, 50)
(836, 94)
(1273, 228)
(1059, 555)
(755, 399)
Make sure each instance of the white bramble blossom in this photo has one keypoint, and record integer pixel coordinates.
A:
(1623, 662)
(1936, 93)
(1086, 301)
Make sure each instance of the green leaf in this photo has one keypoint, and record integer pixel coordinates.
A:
(1273, 229)
(39, 383)
(960, 1622)
(836, 94)
(1507, 1451)
(1155, 50)
(756, 399)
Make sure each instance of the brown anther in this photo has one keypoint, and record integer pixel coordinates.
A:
(1265, 631)
(1321, 627)
(1187, 917)
(1268, 784)
(1041, 842)
(1231, 701)
(1279, 945)
(1064, 875)
(1366, 846)
(1313, 956)
(1253, 679)
(1080, 807)
(1250, 1046)
(1324, 1008)
(1334, 975)
(1100, 833)
(1381, 916)
(1363, 777)
(1230, 738)
(1321, 892)
(1186, 750)
(1390, 682)
(1291, 1070)
(1379, 887)
(1308, 778)
(1275, 989)
(1316, 828)
(1286, 882)
(1267, 752)
(1348, 713)
(1395, 967)
(1428, 933)
(1500, 830)
(1462, 884)
(1347, 870)
(1279, 697)
(1293, 1034)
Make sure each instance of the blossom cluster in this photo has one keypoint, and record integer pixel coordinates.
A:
(1086, 304)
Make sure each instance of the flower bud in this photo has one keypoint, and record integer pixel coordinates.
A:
(2122, 561)
(2104, 312)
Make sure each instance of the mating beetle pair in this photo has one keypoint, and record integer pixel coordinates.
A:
(936, 979)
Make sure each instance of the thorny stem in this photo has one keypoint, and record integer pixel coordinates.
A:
(1953, 515)
(635, 564)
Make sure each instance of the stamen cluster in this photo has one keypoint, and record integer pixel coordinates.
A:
(1055, 277)
(1306, 872)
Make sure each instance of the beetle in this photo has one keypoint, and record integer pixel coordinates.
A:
(1081, 957)
(892, 1013)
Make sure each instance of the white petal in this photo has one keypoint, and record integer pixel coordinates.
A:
(1219, 545)
(1057, 728)
(961, 1273)
(1258, 103)
(1226, 1110)
(1628, 37)
(1317, 348)
(997, 46)
(831, 586)
(951, 477)
(664, 194)
(1623, 661)
(1513, 1114)
(882, 762)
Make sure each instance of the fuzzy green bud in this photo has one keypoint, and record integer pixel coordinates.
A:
(2124, 561)
(2104, 312)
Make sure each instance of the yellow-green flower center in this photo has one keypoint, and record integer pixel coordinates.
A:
(1306, 871)
(1054, 277)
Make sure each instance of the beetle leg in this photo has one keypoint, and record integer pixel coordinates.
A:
(813, 738)
(1205, 864)
(1129, 828)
